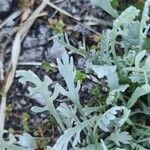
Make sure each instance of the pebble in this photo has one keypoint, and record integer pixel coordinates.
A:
(44, 31)
(23, 102)
(87, 87)
(81, 63)
(55, 51)
(32, 55)
(43, 116)
(5, 5)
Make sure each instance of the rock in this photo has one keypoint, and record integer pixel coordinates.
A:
(30, 42)
(44, 31)
(32, 55)
(5, 5)
(55, 51)
(17, 105)
(37, 38)
(23, 102)
(43, 116)
(4, 32)
(81, 63)
(87, 87)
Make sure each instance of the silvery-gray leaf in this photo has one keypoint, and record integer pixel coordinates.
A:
(27, 141)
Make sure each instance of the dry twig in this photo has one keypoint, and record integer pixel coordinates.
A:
(22, 31)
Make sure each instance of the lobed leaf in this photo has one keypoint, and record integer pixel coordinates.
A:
(120, 137)
(10, 142)
(139, 91)
(109, 117)
(106, 5)
(114, 94)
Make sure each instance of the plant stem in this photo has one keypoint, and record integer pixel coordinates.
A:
(56, 116)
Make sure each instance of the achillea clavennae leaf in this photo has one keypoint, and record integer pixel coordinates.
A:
(106, 5)
(120, 137)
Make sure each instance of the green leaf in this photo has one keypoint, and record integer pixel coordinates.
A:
(58, 26)
(114, 3)
(80, 76)
(46, 66)
(106, 5)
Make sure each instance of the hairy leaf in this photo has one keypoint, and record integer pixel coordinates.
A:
(106, 5)
(40, 87)
(109, 72)
(109, 117)
(139, 91)
(27, 140)
(139, 58)
(126, 17)
(67, 70)
(66, 110)
(114, 94)
(10, 143)
(146, 109)
(133, 35)
(62, 142)
(120, 137)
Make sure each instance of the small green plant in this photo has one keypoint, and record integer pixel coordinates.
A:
(25, 121)
(57, 26)
(24, 4)
(46, 66)
(114, 123)
(80, 76)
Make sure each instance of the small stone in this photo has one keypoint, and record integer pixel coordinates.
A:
(5, 5)
(18, 106)
(55, 51)
(87, 87)
(44, 31)
(43, 116)
(31, 55)
(81, 63)
(23, 102)
(30, 42)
